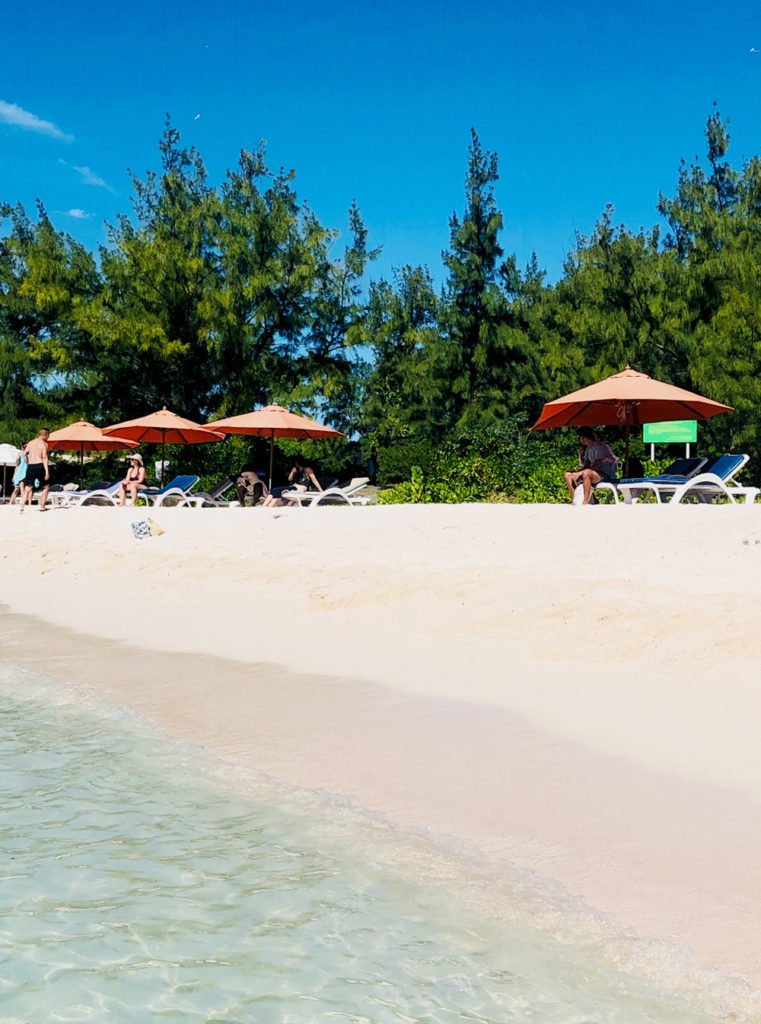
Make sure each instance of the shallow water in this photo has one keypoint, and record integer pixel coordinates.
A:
(139, 886)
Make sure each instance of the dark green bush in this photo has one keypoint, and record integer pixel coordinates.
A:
(497, 463)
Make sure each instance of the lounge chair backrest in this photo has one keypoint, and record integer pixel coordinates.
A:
(219, 488)
(684, 467)
(725, 466)
(184, 483)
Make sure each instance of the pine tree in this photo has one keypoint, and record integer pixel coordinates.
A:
(479, 346)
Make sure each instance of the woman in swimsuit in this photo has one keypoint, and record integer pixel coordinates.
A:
(134, 481)
(301, 478)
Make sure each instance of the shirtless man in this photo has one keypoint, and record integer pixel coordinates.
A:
(38, 470)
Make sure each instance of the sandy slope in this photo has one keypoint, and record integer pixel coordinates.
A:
(574, 689)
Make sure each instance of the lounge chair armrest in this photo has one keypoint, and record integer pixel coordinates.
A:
(174, 496)
(708, 483)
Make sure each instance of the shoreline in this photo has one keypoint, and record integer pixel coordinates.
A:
(475, 720)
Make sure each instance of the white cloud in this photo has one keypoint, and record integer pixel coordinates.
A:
(10, 113)
(88, 176)
(91, 178)
(76, 213)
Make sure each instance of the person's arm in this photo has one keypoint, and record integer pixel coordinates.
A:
(312, 478)
(45, 461)
(607, 457)
(141, 476)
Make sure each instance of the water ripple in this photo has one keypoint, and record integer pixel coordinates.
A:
(135, 888)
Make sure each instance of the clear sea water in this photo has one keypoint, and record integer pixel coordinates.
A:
(140, 885)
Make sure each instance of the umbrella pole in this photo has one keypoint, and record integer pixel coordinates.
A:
(626, 454)
(272, 455)
(163, 454)
(81, 464)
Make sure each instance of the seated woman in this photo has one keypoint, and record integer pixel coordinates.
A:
(302, 476)
(134, 481)
(597, 463)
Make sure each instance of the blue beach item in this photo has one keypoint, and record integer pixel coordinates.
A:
(20, 473)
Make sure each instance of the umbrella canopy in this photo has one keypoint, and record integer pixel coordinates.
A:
(85, 437)
(164, 427)
(629, 399)
(274, 421)
(8, 456)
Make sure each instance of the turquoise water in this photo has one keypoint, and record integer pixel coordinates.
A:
(138, 886)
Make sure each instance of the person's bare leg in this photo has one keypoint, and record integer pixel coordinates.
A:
(571, 481)
(44, 497)
(589, 478)
(122, 495)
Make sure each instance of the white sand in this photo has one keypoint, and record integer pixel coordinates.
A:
(576, 690)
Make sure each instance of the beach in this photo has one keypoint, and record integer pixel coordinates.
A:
(570, 691)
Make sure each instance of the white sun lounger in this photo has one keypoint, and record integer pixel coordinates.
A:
(716, 479)
(347, 494)
(75, 499)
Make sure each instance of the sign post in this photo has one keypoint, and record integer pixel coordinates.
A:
(670, 432)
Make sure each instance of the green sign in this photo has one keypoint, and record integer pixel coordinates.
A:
(671, 432)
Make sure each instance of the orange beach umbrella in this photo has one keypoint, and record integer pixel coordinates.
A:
(86, 437)
(164, 427)
(628, 399)
(274, 421)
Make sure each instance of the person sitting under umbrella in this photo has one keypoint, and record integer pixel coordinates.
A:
(134, 481)
(250, 485)
(597, 463)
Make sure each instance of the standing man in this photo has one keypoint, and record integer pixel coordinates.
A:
(38, 471)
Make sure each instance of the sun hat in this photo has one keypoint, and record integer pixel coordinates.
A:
(136, 457)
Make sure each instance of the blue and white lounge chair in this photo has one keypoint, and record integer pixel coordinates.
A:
(718, 482)
(173, 493)
(630, 488)
(715, 479)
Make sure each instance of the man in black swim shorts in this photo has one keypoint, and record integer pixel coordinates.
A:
(38, 471)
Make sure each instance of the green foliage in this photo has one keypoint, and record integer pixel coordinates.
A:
(479, 344)
(489, 464)
(395, 461)
(401, 325)
(44, 275)
(214, 299)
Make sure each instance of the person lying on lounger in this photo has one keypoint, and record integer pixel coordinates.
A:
(134, 481)
(302, 476)
(597, 462)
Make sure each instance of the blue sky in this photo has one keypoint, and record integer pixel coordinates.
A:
(585, 104)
